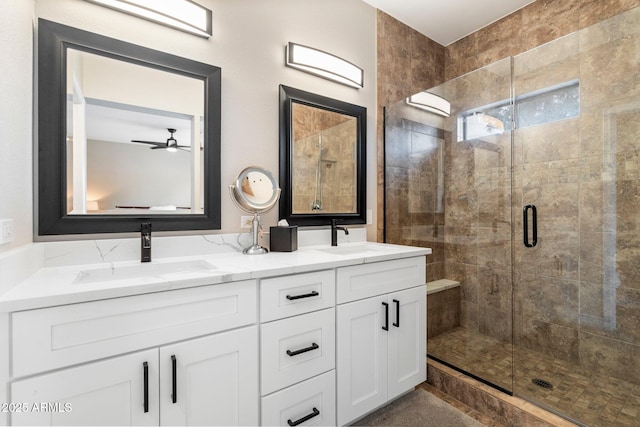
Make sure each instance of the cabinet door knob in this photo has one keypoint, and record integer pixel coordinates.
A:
(313, 346)
(145, 382)
(174, 382)
(309, 295)
(386, 316)
(397, 322)
(315, 413)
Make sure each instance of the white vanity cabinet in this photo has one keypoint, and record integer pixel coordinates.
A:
(297, 349)
(111, 392)
(303, 348)
(185, 357)
(381, 335)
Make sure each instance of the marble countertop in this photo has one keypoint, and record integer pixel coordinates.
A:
(70, 284)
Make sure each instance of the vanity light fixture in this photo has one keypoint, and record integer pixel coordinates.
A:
(324, 64)
(185, 15)
(430, 102)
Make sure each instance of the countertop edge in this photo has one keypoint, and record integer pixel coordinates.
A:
(29, 295)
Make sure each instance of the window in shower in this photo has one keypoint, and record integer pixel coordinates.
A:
(547, 105)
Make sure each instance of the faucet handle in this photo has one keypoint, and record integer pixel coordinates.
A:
(145, 231)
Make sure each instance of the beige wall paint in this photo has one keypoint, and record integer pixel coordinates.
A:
(248, 44)
(16, 18)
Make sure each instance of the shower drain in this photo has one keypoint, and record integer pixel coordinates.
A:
(542, 383)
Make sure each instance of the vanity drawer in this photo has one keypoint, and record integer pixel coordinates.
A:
(297, 348)
(296, 294)
(60, 336)
(377, 278)
(316, 397)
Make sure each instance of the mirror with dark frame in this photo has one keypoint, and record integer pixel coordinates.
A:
(322, 159)
(126, 135)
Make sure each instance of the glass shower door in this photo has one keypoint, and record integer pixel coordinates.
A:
(577, 160)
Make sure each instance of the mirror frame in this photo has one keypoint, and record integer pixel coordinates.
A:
(53, 41)
(288, 96)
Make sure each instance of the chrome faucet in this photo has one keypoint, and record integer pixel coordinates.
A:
(145, 242)
(334, 232)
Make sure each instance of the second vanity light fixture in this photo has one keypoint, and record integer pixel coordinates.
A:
(430, 102)
(185, 15)
(324, 64)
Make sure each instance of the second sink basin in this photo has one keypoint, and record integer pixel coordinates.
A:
(142, 270)
(348, 250)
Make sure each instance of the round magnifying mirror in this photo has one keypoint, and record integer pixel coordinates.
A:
(255, 191)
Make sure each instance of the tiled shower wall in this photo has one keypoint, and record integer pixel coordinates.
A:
(409, 62)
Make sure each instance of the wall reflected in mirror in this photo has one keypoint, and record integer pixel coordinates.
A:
(134, 138)
(324, 160)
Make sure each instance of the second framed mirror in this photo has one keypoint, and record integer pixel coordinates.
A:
(322, 159)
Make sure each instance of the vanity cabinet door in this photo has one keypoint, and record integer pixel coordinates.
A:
(361, 361)
(407, 340)
(116, 392)
(381, 350)
(211, 381)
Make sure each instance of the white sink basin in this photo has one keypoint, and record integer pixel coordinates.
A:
(142, 270)
(348, 250)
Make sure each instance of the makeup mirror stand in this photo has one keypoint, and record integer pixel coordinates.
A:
(244, 198)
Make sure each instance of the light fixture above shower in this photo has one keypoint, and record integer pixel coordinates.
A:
(430, 102)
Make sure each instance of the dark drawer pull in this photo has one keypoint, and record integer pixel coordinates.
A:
(174, 382)
(315, 413)
(313, 346)
(309, 295)
(145, 374)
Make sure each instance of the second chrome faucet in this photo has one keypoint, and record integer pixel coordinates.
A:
(334, 232)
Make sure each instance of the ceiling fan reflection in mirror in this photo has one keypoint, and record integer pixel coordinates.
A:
(170, 145)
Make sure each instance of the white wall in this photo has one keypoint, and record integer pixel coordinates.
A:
(248, 44)
(16, 91)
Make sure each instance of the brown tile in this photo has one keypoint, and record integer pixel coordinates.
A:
(594, 11)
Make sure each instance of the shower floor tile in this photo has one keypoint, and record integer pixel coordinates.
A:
(595, 400)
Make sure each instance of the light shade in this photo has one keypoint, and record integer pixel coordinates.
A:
(430, 102)
(324, 64)
(184, 15)
(92, 205)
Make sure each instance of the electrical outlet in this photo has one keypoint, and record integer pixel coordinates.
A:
(6, 231)
(369, 216)
(246, 221)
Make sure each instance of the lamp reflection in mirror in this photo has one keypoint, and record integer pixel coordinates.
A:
(185, 15)
(324, 64)
(92, 205)
(430, 102)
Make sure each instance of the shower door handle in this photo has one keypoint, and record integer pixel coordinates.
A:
(534, 225)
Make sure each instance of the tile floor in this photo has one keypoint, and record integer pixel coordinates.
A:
(594, 400)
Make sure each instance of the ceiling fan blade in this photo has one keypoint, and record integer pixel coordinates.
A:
(148, 142)
(159, 147)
